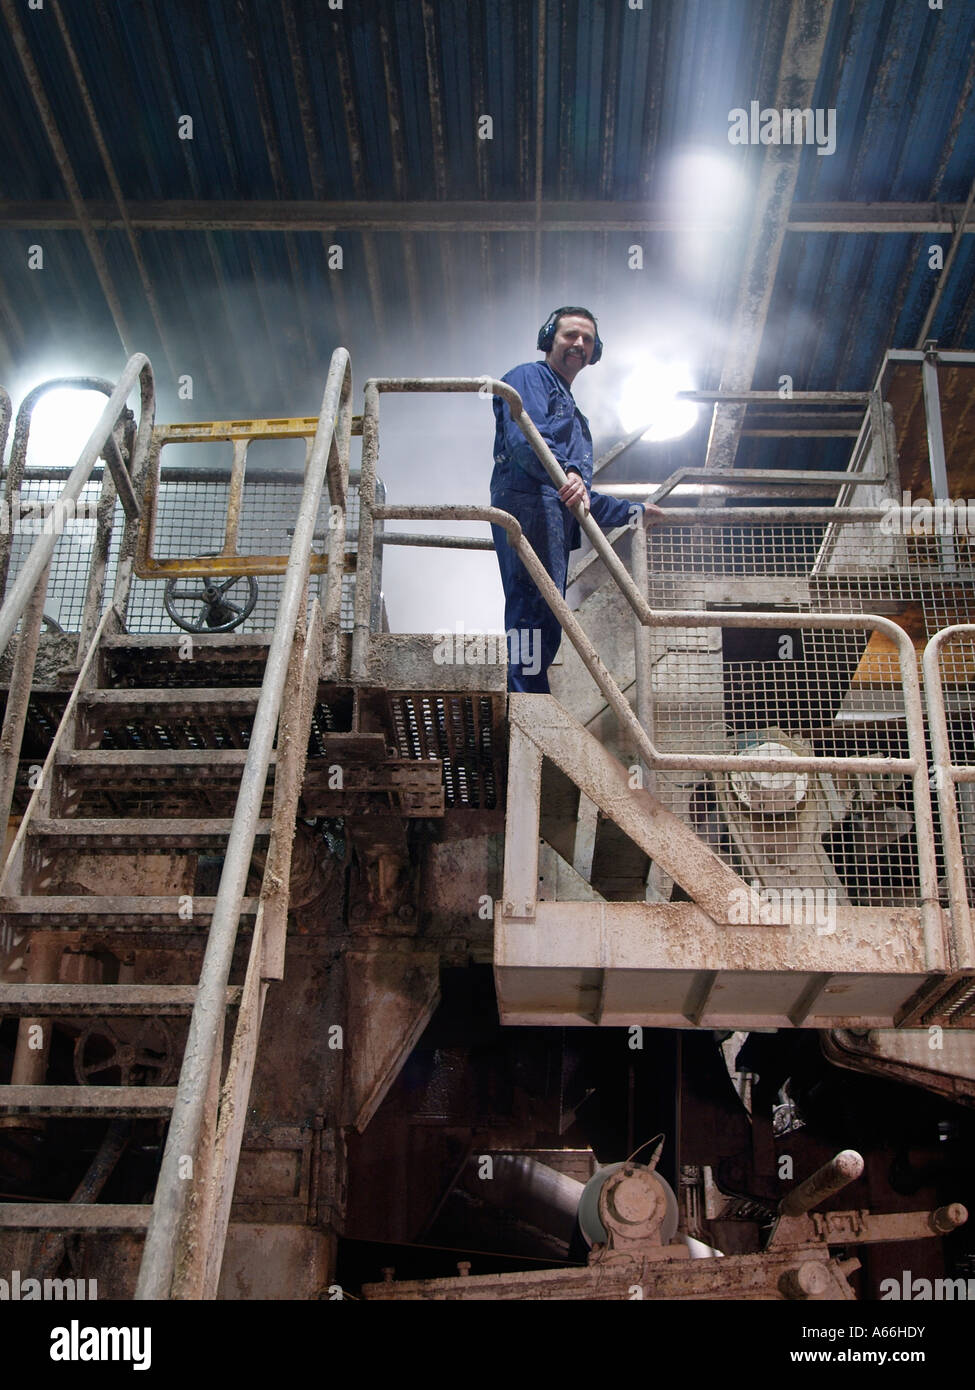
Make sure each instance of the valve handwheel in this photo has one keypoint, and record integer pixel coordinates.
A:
(217, 612)
(145, 1057)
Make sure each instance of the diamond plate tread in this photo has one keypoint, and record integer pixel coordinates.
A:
(74, 1216)
(120, 834)
(229, 642)
(171, 700)
(116, 913)
(194, 758)
(36, 1001)
(87, 1100)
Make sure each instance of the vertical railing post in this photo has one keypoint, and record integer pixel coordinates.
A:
(367, 501)
(18, 695)
(962, 937)
(641, 645)
(337, 478)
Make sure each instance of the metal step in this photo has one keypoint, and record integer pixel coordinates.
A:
(182, 699)
(77, 1001)
(116, 913)
(156, 781)
(169, 644)
(74, 1216)
(169, 759)
(131, 835)
(167, 718)
(145, 1101)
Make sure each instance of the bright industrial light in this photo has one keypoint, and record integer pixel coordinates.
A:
(648, 396)
(60, 426)
(707, 182)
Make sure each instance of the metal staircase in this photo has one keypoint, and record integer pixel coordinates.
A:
(120, 800)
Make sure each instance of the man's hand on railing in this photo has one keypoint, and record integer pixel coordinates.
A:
(652, 514)
(575, 491)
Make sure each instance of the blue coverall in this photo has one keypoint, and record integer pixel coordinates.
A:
(520, 485)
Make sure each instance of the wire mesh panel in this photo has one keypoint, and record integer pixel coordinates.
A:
(190, 521)
(72, 549)
(837, 567)
(790, 691)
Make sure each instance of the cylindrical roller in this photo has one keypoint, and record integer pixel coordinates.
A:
(807, 1280)
(945, 1219)
(845, 1168)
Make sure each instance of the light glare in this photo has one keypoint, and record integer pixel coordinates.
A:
(60, 426)
(648, 396)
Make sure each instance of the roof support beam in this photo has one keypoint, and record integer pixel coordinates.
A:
(462, 216)
(802, 55)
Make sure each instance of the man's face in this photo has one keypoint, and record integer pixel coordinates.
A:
(572, 346)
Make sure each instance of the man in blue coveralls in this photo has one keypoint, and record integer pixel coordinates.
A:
(520, 485)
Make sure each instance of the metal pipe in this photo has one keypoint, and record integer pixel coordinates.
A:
(945, 776)
(201, 1056)
(838, 1173)
(741, 477)
(138, 368)
(773, 397)
(176, 474)
(441, 542)
(961, 359)
(760, 516)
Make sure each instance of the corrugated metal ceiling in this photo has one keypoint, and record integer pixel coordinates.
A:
(315, 126)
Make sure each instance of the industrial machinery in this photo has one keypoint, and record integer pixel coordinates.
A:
(328, 969)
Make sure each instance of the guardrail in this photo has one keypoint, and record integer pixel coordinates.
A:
(634, 589)
(25, 597)
(192, 1127)
(100, 442)
(947, 773)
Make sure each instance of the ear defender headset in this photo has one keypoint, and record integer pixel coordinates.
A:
(546, 334)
